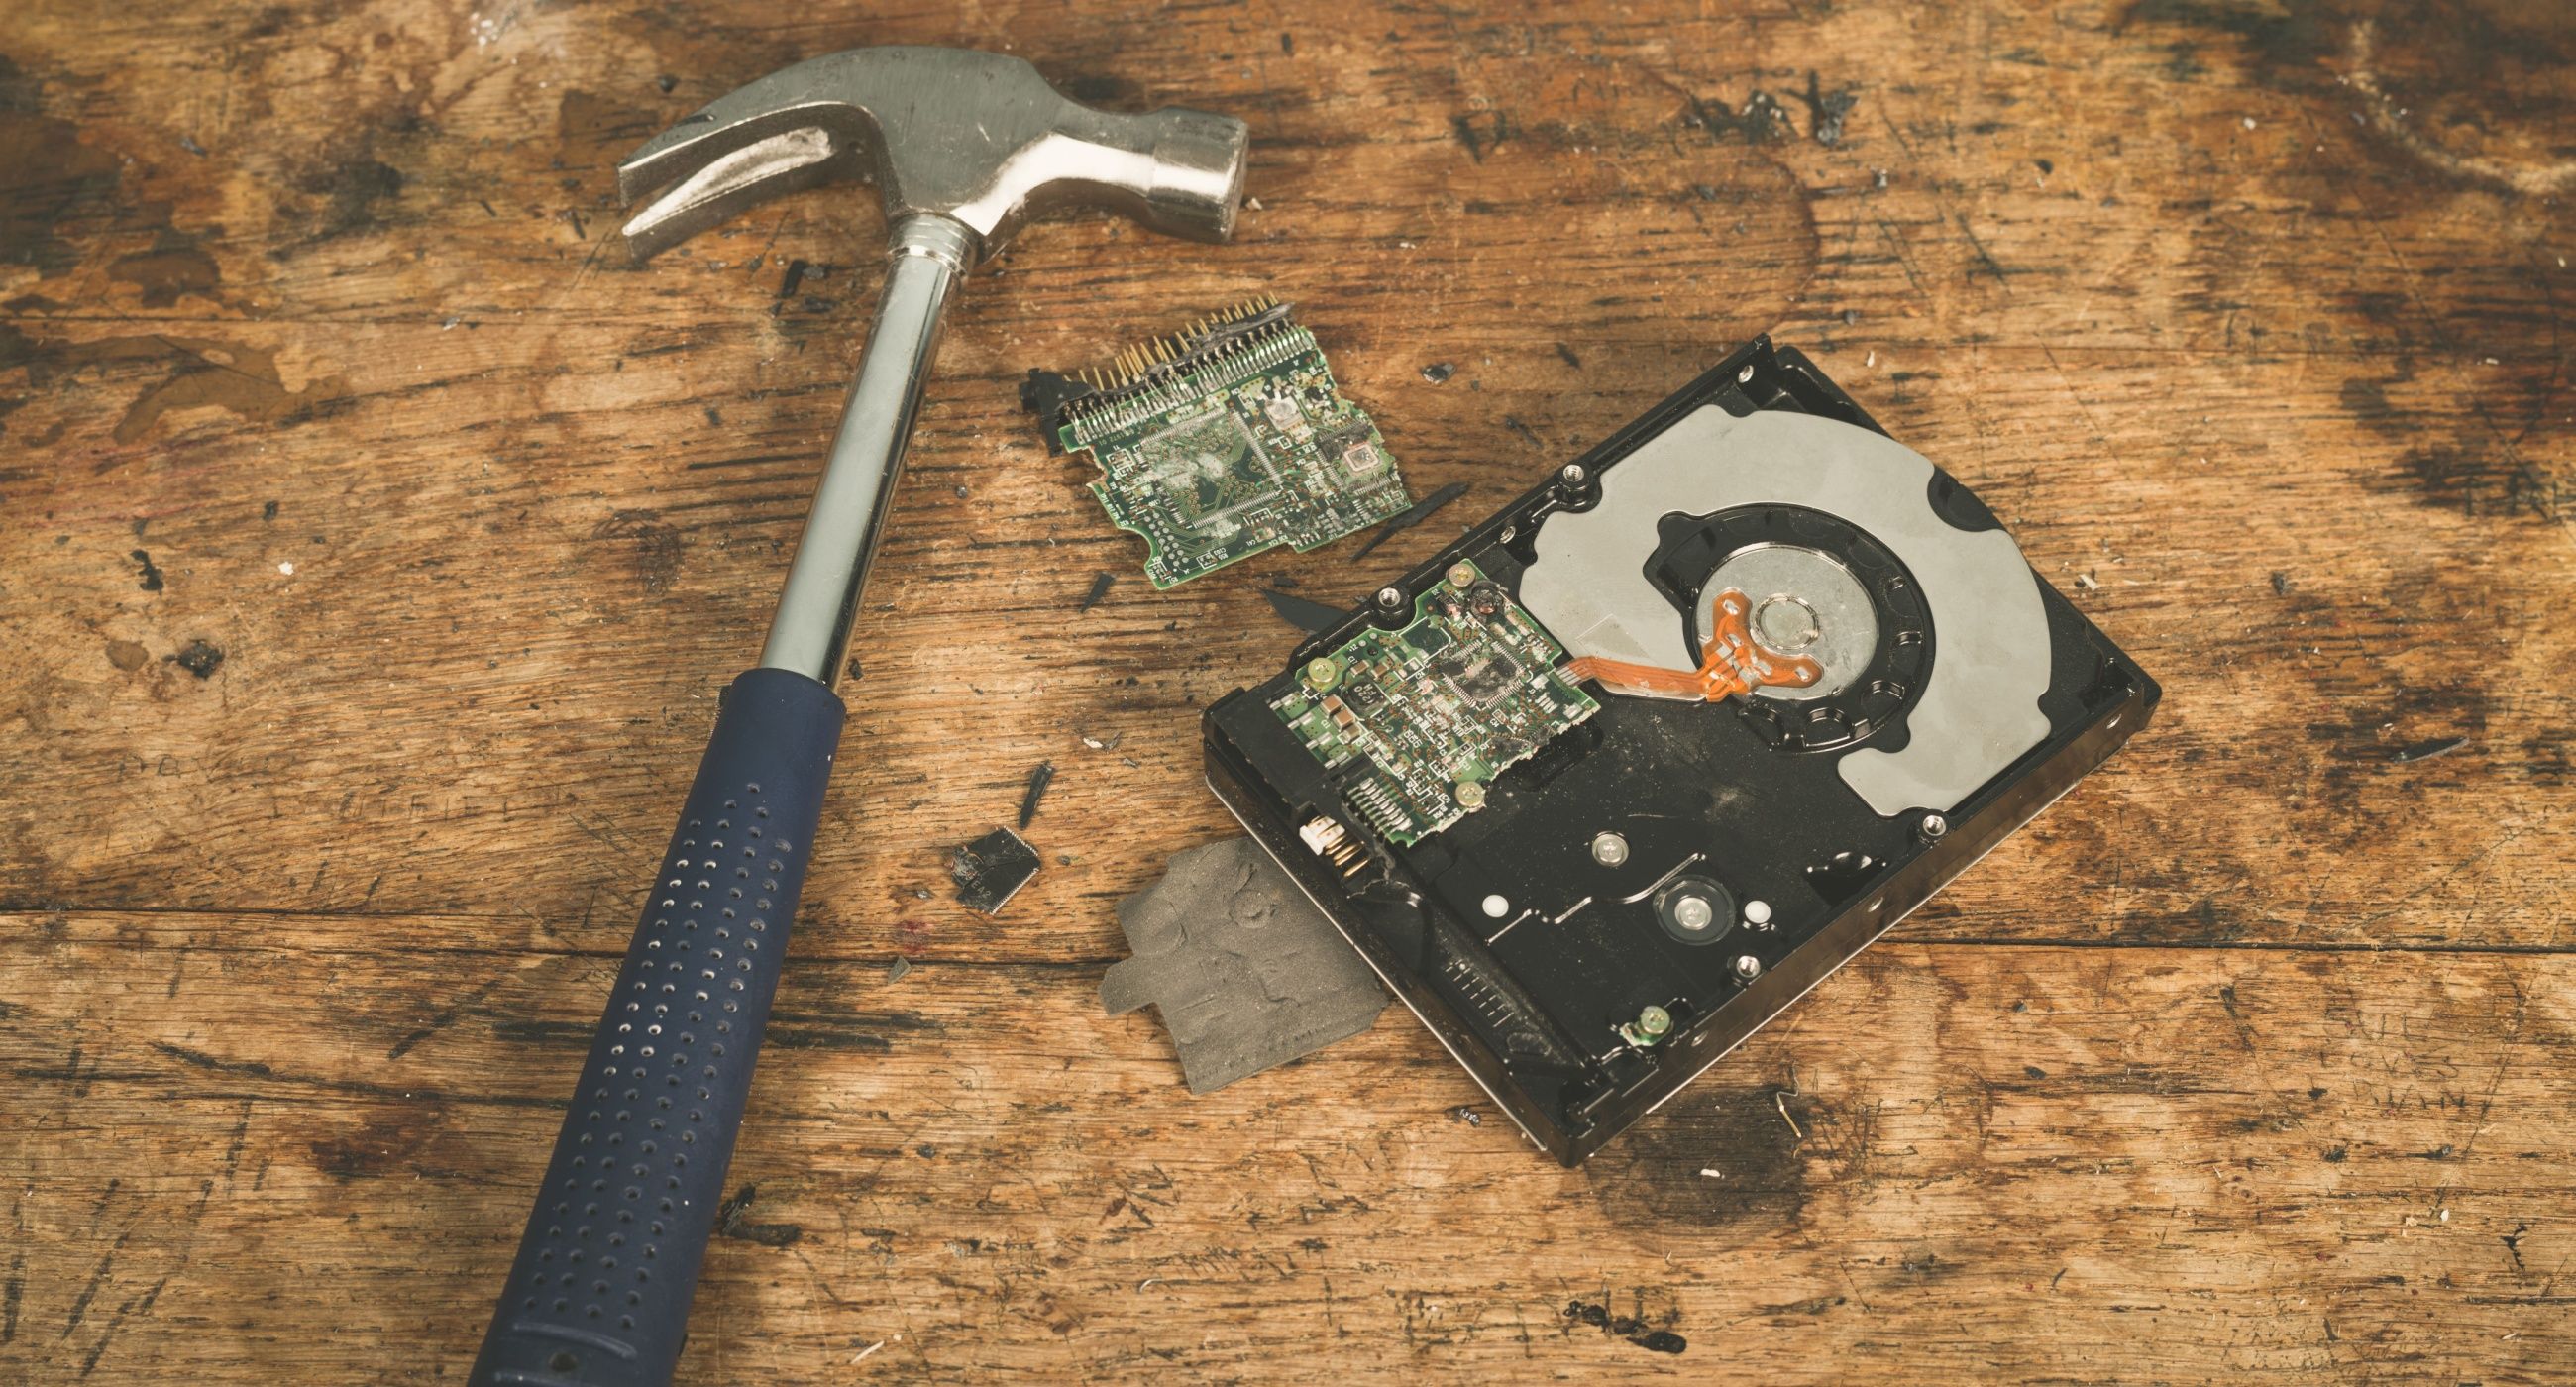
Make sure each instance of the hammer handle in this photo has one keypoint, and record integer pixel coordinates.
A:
(599, 1295)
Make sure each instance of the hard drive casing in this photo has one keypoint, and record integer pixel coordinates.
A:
(1533, 1014)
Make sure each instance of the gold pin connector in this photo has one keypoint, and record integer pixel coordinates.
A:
(1136, 361)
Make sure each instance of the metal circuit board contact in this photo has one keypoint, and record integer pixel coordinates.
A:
(1228, 439)
(1424, 717)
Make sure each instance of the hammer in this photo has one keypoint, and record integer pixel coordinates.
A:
(964, 148)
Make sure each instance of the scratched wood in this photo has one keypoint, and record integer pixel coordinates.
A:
(375, 543)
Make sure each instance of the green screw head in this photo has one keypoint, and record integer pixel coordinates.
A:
(1462, 574)
(1654, 1023)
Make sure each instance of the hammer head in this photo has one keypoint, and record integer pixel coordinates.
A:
(977, 138)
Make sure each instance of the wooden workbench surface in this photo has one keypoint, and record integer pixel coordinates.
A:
(372, 544)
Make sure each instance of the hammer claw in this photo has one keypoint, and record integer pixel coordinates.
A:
(726, 183)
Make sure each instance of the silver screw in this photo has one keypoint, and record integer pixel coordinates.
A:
(1573, 474)
(1654, 1023)
(1745, 376)
(1747, 967)
(1694, 913)
(1609, 849)
(1496, 907)
(1757, 914)
(1390, 598)
(1932, 827)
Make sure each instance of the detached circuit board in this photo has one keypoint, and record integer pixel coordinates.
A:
(1435, 710)
(1227, 439)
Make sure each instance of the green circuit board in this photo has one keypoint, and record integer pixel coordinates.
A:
(1427, 715)
(1228, 439)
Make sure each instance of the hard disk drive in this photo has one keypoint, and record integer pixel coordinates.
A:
(1610, 782)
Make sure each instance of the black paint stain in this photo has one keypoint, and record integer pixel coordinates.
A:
(444, 1018)
(1480, 132)
(1714, 1158)
(1760, 120)
(48, 176)
(1826, 110)
(2295, 38)
(151, 581)
(351, 193)
(733, 1220)
(382, 1146)
(1629, 1327)
(176, 266)
(656, 546)
(2366, 401)
(199, 659)
(2476, 483)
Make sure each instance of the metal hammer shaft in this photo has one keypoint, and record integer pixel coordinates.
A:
(811, 630)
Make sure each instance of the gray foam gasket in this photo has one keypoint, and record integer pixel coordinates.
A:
(1246, 972)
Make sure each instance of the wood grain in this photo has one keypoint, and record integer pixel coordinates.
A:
(375, 544)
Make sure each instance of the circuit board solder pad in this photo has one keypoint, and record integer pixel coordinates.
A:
(1227, 440)
(1437, 708)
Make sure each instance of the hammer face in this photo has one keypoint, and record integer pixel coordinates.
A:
(976, 138)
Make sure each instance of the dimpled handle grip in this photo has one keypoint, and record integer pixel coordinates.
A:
(599, 1296)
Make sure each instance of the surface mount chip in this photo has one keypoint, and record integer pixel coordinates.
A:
(1225, 440)
(1420, 719)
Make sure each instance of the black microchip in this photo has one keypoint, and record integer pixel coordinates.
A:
(990, 870)
(1481, 675)
(1354, 446)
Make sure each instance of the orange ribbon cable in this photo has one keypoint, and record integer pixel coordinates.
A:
(1730, 663)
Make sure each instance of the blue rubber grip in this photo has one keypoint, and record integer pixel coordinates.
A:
(599, 1296)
